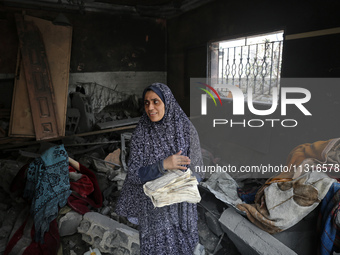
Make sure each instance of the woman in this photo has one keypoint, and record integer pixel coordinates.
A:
(163, 140)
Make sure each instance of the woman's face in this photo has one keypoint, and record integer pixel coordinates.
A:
(154, 106)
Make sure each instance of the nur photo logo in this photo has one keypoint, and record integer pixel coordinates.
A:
(300, 97)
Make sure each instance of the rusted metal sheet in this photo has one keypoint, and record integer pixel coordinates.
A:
(38, 80)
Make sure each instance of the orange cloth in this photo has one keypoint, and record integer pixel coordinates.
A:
(297, 156)
(307, 150)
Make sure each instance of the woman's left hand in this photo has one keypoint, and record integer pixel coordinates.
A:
(176, 161)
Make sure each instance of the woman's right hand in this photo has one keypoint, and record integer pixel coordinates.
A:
(176, 161)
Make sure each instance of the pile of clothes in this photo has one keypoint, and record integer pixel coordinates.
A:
(47, 188)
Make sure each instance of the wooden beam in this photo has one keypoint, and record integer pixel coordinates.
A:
(323, 32)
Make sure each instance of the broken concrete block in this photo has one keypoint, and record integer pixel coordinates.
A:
(109, 235)
(68, 224)
(248, 238)
(106, 210)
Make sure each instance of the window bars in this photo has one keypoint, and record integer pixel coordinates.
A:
(254, 67)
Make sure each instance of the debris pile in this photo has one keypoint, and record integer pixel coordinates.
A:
(105, 155)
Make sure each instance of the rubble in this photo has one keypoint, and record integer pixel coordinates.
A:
(207, 238)
(109, 235)
(9, 169)
(119, 178)
(105, 155)
(213, 224)
(113, 157)
(68, 224)
(248, 238)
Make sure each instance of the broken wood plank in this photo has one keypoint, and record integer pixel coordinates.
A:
(57, 40)
(93, 148)
(89, 144)
(21, 122)
(7, 140)
(117, 123)
(38, 79)
(106, 131)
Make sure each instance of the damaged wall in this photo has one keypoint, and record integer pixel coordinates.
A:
(113, 56)
(101, 42)
(120, 52)
(105, 42)
(189, 34)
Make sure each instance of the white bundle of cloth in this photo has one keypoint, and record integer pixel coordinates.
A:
(173, 187)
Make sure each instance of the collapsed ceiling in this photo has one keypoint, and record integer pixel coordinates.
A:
(146, 8)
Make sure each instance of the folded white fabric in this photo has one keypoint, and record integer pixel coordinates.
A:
(173, 187)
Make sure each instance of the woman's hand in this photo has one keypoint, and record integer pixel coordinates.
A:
(176, 161)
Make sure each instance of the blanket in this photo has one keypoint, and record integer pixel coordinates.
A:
(22, 240)
(86, 190)
(290, 196)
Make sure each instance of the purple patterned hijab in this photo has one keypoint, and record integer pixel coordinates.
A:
(155, 141)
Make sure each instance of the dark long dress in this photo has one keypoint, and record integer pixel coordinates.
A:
(170, 230)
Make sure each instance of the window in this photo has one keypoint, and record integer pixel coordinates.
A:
(250, 63)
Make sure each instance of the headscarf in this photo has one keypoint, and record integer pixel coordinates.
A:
(156, 90)
(155, 141)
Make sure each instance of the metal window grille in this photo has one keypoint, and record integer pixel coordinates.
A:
(255, 66)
